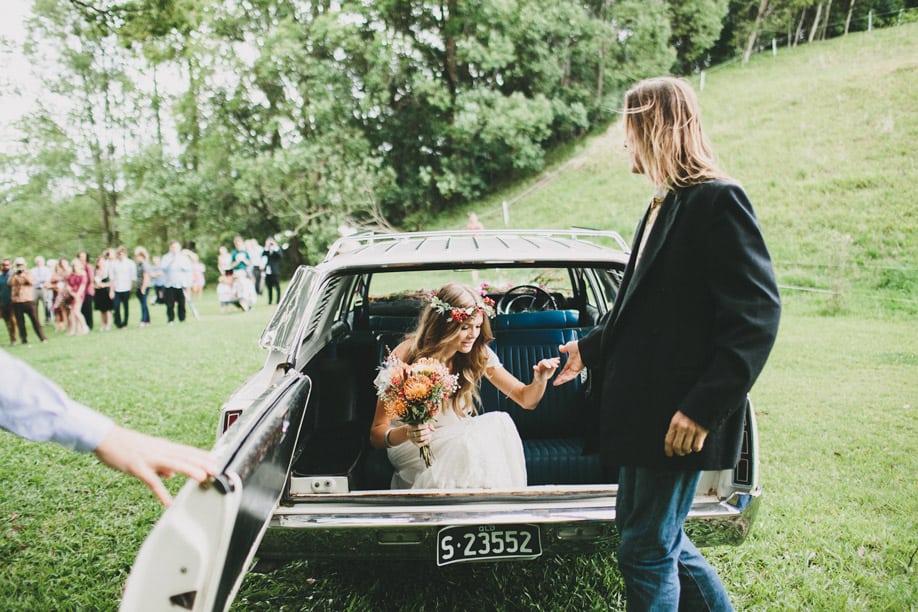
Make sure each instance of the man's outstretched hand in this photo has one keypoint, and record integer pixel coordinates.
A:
(574, 364)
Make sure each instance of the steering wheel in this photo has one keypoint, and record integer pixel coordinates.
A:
(525, 298)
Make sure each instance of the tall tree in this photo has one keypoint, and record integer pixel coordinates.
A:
(848, 17)
(815, 25)
(92, 86)
(696, 25)
(41, 188)
(300, 115)
(754, 31)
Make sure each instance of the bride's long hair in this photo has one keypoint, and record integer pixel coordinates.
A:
(436, 331)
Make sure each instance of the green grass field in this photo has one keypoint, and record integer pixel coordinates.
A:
(836, 404)
(838, 530)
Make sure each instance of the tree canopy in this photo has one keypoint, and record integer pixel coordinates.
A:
(201, 119)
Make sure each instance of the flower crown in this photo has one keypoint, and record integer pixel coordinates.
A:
(461, 315)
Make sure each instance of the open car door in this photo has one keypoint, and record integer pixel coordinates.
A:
(197, 554)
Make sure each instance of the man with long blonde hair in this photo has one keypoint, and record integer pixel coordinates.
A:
(695, 319)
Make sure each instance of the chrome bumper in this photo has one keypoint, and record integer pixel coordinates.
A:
(340, 530)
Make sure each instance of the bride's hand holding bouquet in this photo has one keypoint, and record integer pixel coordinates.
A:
(414, 394)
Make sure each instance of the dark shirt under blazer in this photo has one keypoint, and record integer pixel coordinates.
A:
(691, 329)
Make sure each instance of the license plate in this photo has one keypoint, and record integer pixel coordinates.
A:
(487, 542)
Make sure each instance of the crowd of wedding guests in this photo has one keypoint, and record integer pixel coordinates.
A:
(68, 293)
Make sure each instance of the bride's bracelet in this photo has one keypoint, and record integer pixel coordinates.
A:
(388, 442)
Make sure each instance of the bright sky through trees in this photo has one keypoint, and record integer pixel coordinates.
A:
(17, 87)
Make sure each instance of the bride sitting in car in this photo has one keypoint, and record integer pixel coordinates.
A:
(469, 450)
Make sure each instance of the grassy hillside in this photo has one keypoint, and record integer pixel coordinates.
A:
(823, 137)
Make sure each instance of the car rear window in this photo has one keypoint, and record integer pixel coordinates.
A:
(396, 286)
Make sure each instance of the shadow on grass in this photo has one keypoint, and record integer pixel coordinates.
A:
(582, 583)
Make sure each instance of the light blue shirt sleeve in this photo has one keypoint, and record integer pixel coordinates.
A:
(33, 407)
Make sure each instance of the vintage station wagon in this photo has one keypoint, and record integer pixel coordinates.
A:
(300, 480)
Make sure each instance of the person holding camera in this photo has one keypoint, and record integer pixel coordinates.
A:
(6, 302)
(272, 256)
(22, 294)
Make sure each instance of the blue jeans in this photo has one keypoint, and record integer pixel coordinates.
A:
(144, 309)
(662, 569)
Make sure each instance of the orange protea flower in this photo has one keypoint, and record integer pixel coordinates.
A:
(395, 408)
(416, 388)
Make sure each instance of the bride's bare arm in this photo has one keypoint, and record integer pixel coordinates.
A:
(527, 396)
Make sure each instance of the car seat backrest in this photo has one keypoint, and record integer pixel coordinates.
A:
(543, 319)
(559, 413)
(389, 323)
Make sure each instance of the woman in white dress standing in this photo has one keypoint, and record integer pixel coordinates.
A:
(469, 450)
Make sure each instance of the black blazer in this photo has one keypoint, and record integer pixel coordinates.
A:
(273, 256)
(691, 329)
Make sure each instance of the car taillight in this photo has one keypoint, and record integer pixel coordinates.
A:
(230, 417)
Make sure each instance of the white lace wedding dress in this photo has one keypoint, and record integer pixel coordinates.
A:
(483, 451)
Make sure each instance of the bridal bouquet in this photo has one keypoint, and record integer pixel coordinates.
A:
(415, 393)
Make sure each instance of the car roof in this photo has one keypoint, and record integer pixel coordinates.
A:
(471, 248)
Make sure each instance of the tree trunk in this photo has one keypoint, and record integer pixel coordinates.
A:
(108, 162)
(566, 77)
(848, 18)
(601, 70)
(194, 129)
(799, 31)
(98, 163)
(156, 104)
(98, 171)
(750, 44)
(113, 214)
(449, 43)
(815, 23)
(825, 21)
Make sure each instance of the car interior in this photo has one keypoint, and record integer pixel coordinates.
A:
(537, 310)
